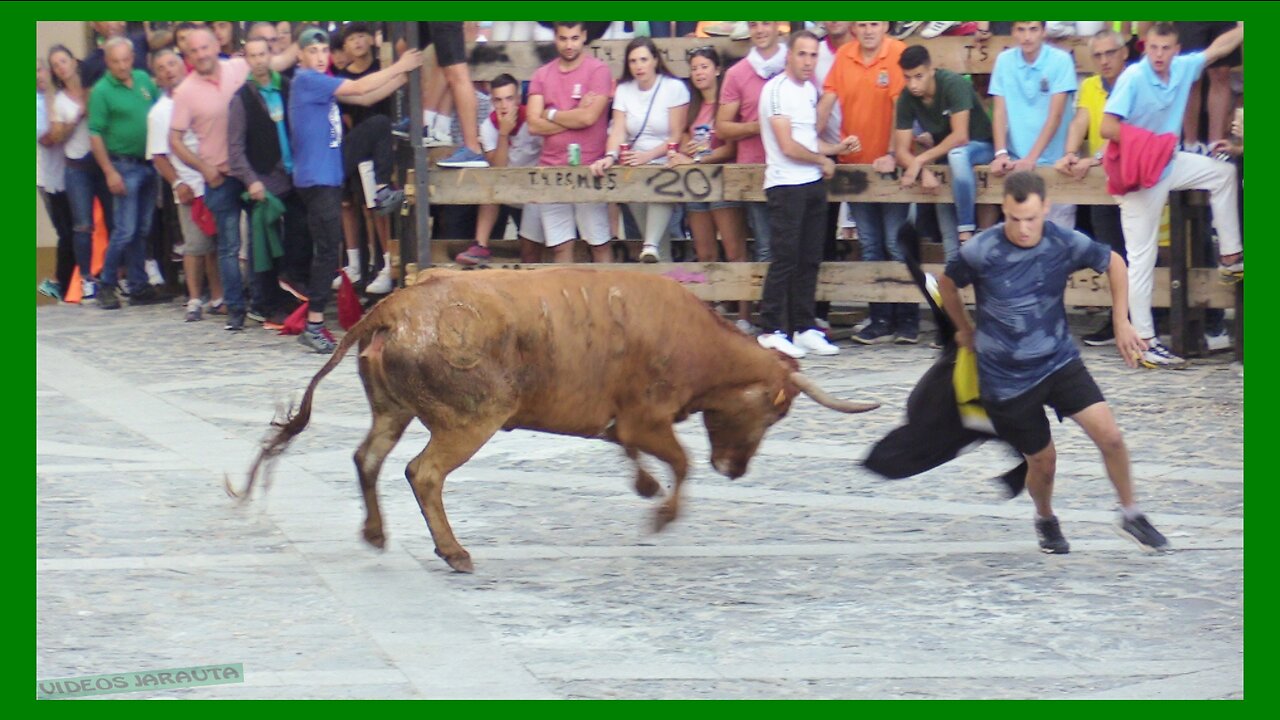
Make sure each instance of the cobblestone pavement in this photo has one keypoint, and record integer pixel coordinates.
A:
(808, 578)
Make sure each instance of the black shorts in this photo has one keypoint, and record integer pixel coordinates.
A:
(1021, 422)
(1195, 36)
(451, 49)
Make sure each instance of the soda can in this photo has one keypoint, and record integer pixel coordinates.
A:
(575, 154)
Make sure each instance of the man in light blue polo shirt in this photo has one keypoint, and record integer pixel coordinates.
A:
(1031, 88)
(1152, 94)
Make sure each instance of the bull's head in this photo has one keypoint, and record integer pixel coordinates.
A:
(736, 420)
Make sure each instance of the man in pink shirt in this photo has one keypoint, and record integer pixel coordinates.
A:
(738, 115)
(569, 100)
(200, 104)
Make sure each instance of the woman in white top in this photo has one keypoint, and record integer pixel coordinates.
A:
(701, 146)
(84, 179)
(649, 110)
(51, 164)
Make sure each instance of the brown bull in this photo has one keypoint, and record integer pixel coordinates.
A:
(615, 355)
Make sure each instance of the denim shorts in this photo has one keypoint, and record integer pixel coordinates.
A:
(713, 205)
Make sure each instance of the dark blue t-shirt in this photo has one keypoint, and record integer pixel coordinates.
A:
(315, 129)
(1022, 334)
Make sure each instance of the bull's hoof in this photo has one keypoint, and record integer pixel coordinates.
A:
(646, 486)
(460, 561)
(663, 517)
(375, 538)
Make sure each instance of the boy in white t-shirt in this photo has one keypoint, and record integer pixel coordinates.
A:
(507, 142)
(796, 163)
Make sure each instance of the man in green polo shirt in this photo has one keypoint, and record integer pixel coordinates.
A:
(947, 107)
(118, 106)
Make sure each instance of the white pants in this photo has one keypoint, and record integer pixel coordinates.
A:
(552, 224)
(653, 219)
(1140, 218)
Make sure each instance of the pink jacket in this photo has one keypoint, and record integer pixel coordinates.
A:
(1135, 160)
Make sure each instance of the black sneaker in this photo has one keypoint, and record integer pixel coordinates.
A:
(1140, 531)
(387, 200)
(319, 340)
(1051, 539)
(145, 296)
(107, 299)
(235, 321)
(874, 334)
(1105, 335)
(256, 315)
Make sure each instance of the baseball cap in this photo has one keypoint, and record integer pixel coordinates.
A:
(312, 36)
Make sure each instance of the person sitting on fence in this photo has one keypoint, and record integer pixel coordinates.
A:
(507, 142)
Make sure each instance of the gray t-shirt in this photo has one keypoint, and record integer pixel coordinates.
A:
(1022, 335)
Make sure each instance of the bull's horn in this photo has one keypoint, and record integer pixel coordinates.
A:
(810, 388)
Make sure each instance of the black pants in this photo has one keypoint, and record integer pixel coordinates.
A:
(58, 206)
(797, 220)
(1106, 227)
(323, 205)
(370, 140)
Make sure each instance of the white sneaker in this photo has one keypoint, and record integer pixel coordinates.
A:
(353, 273)
(381, 285)
(812, 340)
(88, 289)
(822, 324)
(649, 254)
(778, 341)
(1218, 342)
(937, 27)
(153, 273)
(745, 327)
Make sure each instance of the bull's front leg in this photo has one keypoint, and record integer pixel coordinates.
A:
(646, 486)
(659, 440)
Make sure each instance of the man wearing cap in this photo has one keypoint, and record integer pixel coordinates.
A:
(315, 133)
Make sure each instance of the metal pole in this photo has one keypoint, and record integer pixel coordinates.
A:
(421, 206)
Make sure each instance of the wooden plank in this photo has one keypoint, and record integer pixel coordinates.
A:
(487, 60)
(890, 282)
(693, 183)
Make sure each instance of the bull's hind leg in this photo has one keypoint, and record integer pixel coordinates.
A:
(387, 428)
(659, 440)
(448, 449)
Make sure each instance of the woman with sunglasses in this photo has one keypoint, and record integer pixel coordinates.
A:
(700, 146)
(649, 111)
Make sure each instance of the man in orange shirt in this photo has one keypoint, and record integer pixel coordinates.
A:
(866, 81)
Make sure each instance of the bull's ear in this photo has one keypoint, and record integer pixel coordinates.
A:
(780, 398)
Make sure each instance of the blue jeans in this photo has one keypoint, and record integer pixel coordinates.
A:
(758, 216)
(85, 181)
(878, 227)
(132, 214)
(964, 186)
(662, 28)
(225, 204)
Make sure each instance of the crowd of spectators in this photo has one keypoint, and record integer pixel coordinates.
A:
(285, 129)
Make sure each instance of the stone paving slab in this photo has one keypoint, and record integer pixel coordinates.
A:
(807, 578)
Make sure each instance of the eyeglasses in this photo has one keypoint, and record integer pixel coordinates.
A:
(1106, 53)
(688, 54)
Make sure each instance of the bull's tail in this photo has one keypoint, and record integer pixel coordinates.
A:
(277, 441)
